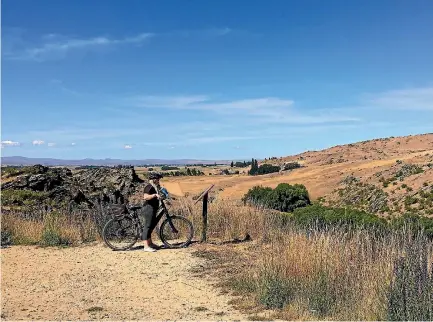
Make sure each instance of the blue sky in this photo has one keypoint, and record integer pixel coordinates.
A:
(211, 79)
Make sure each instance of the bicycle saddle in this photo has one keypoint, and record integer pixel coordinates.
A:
(134, 207)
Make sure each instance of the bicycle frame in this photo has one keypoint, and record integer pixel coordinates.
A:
(132, 215)
(162, 210)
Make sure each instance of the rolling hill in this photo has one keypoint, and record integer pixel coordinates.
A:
(400, 167)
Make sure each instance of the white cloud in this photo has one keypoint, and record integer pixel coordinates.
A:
(9, 143)
(202, 102)
(38, 142)
(127, 146)
(51, 144)
(405, 99)
(180, 102)
(212, 32)
(73, 144)
(214, 139)
(56, 46)
(262, 110)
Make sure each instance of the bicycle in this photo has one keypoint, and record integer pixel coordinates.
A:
(125, 227)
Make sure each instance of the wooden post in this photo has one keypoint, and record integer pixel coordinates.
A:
(205, 197)
(204, 231)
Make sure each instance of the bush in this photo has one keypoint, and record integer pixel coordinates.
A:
(321, 217)
(166, 168)
(268, 168)
(291, 166)
(22, 197)
(275, 292)
(413, 223)
(6, 237)
(242, 164)
(52, 235)
(287, 197)
(257, 196)
(284, 197)
(12, 171)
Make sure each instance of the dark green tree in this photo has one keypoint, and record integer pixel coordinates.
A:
(254, 167)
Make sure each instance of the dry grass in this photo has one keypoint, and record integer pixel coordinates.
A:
(324, 276)
(309, 275)
(327, 276)
(298, 274)
(227, 219)
(52, 229)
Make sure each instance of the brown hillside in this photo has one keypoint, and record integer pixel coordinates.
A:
(372, 162)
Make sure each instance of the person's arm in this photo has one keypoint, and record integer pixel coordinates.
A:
(147, 196)
(149, 193)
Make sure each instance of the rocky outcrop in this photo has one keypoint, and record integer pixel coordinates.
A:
(89, 186)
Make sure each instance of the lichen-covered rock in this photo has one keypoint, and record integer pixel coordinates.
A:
(88, 186)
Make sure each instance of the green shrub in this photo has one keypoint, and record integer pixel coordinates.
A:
(322, 217)
(409, 200)
(258, 196)
(275, 292)
(283, 198)
(166, 168)
(6, 237)
(242, 164)
(23, 197)
(291, 166)
(413, 223)
(286, 197)
(268, 168)
(51, 235)
(11, 171)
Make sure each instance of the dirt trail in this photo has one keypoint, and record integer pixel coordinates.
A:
(93, 282)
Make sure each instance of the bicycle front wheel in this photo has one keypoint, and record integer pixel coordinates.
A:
(120, 234)
(176, 232)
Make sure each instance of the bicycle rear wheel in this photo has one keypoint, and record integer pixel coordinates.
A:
(176, 232)
(120, 233)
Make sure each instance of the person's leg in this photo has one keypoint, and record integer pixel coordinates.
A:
(151, 228)
(146, 217)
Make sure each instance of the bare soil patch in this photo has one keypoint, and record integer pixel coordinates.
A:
(95, 283)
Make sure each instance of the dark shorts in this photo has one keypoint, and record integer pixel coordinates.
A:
(147, 216)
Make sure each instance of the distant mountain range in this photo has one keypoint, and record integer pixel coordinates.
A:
(18, 160)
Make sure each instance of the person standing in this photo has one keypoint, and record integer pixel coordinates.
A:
(149, 211)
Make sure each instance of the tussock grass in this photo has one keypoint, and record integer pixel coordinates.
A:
(300, 273)
(227, 220)
(49, 229)
(331, 273)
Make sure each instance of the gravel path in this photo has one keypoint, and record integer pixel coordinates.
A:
(95, 283)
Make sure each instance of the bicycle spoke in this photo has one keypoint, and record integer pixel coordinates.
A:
(120, 233)
(176, 232)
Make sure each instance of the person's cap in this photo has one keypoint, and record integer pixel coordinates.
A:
(154, 176)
